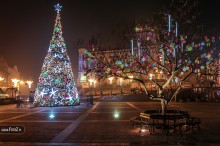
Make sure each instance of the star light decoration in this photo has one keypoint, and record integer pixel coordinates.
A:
(43, 93)
(57, 7)
(52, 93)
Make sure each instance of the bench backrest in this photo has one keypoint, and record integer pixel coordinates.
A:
(144, 115)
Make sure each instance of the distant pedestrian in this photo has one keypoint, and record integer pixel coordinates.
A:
(31, 100)
(18, 100)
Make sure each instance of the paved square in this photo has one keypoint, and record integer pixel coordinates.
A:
(104, 123)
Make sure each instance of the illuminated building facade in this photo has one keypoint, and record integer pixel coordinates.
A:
(120, 86)
(7, 73)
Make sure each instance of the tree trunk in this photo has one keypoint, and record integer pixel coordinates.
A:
(163, 106)
(164, 110)
(145, 88)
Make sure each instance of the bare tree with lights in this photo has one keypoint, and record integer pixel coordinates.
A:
(56, 86)
(171, 50)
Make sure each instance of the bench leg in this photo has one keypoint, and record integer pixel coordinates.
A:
(178, 128)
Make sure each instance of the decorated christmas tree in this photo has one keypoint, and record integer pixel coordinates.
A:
(56, 85)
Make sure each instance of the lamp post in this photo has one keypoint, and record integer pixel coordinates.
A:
(161, 73)
(90, 98)
(29, 83)
(90, 82)
(29, 86)
(1, 79)
(90, 85)
(150, 78)
(130, 78)
(31, 100)
(121, 84)
(110, 79)
(95, 86)
(15, 81)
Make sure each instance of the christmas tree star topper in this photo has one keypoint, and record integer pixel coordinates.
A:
(58, 7)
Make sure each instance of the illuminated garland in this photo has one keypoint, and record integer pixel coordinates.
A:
(195, 56)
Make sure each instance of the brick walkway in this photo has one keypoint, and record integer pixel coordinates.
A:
(105, 123)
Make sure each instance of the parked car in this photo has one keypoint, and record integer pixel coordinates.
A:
(5, 97)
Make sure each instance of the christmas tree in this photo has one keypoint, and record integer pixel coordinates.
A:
(56, 85)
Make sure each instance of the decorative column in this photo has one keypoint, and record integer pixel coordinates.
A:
(82, 62)
(132, 47)
(139, 49)
(169, 22)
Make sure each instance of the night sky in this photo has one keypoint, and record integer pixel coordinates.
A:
(27, 25)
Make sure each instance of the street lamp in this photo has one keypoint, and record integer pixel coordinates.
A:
(1, 78)
(15, 81)
(151, 76)
(29, 83)
(94, 83)
(110, 79)
(90, 82)
(95, 86)
(90, 98)
(21, 82)
(161, 73)
(90, 85)
(29, 87)
(121, 84)
(120, 81)
(130, 79)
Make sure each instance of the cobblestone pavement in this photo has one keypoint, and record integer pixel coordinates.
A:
(104, 123)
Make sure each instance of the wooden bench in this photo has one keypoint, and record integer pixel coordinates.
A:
(190, 123)
(142, 121)
(173, 120)
(136, 121)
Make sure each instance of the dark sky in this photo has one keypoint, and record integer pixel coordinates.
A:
(26, 26)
